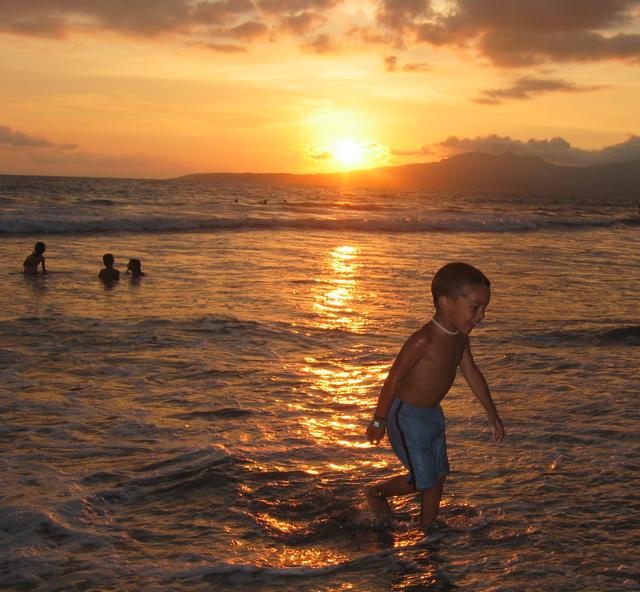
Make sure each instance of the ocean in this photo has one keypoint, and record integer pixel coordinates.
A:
(203, 428)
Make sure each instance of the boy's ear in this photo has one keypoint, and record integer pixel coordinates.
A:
(444, 302)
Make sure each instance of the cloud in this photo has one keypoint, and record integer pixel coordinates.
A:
(8, 137)
(322, 44)
(516, 33)
(556, 150)
(191, 18)
(391, 63)
(528, 88)
(422, 151)
(321, 156)
(401, 14)
(250, 31)
(221, 47)
(295, 6)
(507, 33)
(300, 23)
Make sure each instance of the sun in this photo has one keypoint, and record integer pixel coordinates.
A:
(348, 152)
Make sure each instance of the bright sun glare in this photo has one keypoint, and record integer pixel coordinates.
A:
(348, 152)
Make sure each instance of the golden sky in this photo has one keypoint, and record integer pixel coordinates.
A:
(160, 88)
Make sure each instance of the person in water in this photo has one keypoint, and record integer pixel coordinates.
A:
(134, 267)
(409, 403)
(109, 273)
(30, 265)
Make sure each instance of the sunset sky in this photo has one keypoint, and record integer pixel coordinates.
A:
(167, 87)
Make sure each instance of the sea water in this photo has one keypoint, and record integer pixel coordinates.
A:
(203, 428)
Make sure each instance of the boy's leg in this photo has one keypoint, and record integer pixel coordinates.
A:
(430, 503)
(378, 493)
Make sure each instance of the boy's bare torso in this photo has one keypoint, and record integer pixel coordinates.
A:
(431, 377)
(31, 263)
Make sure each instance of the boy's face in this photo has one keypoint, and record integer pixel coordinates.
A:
(468, 308)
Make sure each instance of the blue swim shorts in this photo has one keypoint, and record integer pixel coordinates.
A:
(417, 436)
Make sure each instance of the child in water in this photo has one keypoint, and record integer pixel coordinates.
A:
(134, 267)
(109, 273)
(30, 265)
(420, 377)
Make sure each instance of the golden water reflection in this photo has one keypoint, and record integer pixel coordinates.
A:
(340, 388)
(345, 385)
(337, 291)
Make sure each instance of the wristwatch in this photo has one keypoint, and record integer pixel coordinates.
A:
(379, 422)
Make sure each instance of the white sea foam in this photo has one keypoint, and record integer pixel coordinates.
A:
(204, 223)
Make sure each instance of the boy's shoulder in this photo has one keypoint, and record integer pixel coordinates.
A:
(421, 338)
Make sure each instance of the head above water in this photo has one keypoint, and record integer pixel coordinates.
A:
(39, 248)
(452, 280)
(108, 260)
(134, 265)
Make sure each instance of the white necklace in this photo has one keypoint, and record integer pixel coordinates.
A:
(444, 328)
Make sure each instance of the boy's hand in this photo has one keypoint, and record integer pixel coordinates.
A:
(374, 434)
(498, 430)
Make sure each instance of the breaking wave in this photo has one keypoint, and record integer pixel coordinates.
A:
(195, 223)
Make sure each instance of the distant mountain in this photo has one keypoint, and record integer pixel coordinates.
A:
(470, 172)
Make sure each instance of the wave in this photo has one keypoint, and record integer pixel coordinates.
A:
(615, 336)
(98, 202)
(182, 223)
(247, 573)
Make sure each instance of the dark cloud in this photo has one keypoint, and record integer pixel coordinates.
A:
(56, 18)
(218, 13)
(556, 150)
(528, 88)
(391, 63)
(509, 33)
(202, 23)
(17, 139)
(288, 7)
(400, 14)
(516, 33)
(250, 31)
(506, 48)
(300, 23)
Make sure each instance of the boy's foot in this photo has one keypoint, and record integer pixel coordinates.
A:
(432, 534)
(378, 506)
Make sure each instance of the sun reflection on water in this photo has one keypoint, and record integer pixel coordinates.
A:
(336, 295)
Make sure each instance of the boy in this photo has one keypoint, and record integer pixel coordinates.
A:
(109, 273)
(421, 375)
(30, 265)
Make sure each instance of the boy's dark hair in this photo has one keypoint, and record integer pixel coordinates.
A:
(453, 278)
(108, 259)
(134, 264)
(39, 248)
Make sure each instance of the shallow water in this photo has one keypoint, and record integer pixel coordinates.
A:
(203, 428)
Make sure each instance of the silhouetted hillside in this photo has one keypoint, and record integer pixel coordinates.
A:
(471, 172)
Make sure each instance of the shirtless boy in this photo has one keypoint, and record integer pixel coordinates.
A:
(422, 374)
(109, 273)
(30, 265)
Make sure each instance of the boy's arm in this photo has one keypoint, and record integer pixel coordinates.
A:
(44, 269)
(411, 352)
(478, 384)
